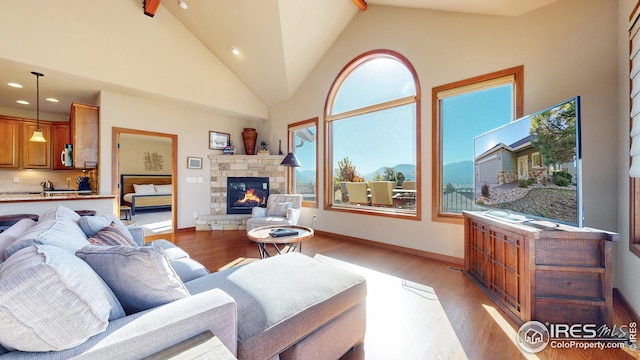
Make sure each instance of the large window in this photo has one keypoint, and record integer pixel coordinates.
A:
(303, 141)
(372, 137)
(462, 111)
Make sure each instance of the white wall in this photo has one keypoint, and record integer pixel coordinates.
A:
(566, 49)
(626, 264)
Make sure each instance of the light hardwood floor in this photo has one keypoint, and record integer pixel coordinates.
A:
(483, 331)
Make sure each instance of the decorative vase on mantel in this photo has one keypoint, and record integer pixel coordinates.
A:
(249, 136)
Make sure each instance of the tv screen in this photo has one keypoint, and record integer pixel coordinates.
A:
(530, 168)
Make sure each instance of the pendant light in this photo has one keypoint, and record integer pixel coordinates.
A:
(37, 133)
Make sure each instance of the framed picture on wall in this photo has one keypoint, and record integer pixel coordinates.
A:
(218, 140)
(194, 162)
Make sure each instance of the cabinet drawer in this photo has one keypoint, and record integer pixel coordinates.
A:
(570, 284)
(570, 252)
(560, 311)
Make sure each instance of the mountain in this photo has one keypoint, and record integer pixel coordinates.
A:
(458, 173)
(306, 176)
(408, 170)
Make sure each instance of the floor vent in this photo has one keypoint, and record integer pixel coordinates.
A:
(453, 268)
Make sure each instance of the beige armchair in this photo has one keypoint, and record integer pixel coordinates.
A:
(382, 192)
(357, 193)
(282, 209)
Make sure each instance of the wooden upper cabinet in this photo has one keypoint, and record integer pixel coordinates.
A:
(36, 155)
(61, 134)
(9, 143)
(84, 133)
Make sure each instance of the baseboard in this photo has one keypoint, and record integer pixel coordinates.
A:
(625, 305)
(189, 229)
(402, 249)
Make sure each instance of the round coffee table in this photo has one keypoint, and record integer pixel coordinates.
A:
(282, 244)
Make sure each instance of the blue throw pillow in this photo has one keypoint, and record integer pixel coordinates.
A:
(140, 277)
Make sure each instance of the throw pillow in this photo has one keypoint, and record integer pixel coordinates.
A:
(144, 189)
(278, 208)
(60, 212)
(112, 235)
(140, 277)
(8, 236)
(63, 233)
(90, 225)
(51, 300)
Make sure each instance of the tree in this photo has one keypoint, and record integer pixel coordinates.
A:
(346, 171)
(555, 131)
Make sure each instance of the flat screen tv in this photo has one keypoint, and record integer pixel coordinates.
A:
(530, 169)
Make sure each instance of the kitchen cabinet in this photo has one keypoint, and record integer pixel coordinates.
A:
(84, 120)
(541, 271)
(60, 137)
(36, 155)
(9, 143)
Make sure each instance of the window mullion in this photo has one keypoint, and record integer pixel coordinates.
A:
(372, 108)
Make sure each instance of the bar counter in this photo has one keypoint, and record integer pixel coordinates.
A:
(38, 203)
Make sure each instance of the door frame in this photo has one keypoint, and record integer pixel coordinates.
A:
(115, 163)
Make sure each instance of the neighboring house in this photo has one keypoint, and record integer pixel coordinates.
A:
(503, 164)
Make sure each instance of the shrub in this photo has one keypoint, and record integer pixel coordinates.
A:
(523, 183)
(484, 190)
(562, 178)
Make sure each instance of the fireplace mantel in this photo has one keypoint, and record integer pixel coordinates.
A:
(223, 166)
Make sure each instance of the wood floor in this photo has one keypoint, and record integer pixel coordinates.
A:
(482, 330)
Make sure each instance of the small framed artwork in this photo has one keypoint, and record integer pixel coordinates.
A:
(218, 140)
(194, 162)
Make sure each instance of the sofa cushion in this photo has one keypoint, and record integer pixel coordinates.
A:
(112, 235)
(90, 225)
(282, 299)
(64, 233)
(8, 236)
(171, 251)
(140, 277)
(50, 300)
(188, 269)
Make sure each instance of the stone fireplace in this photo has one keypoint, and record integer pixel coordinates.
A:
(226, 166)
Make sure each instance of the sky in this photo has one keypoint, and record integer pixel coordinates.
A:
(469, 115)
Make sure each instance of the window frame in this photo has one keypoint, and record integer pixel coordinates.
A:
(436, 132)
(634, 183)
(329, 118)
(291, 128)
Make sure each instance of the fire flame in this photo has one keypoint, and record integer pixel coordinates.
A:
(250, 196)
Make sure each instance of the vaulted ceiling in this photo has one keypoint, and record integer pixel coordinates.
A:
(279, 42)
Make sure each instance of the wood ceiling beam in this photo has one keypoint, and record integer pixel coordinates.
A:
(362, 4)
(150, 7)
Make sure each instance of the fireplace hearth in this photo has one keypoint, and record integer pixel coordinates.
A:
(244, 193)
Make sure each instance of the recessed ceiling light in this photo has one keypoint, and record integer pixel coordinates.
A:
(235, 51)
(52, 100)
(183, 5)
(15, 85)
(23, 102)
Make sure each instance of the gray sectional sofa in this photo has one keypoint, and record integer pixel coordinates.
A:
(63, 294)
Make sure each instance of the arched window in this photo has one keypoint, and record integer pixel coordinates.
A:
(373, 137)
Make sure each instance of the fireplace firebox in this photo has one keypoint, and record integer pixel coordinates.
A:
(244, 193)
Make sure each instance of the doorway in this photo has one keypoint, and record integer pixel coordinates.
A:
(148, 159)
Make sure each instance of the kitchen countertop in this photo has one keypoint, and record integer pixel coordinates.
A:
(54, 195)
